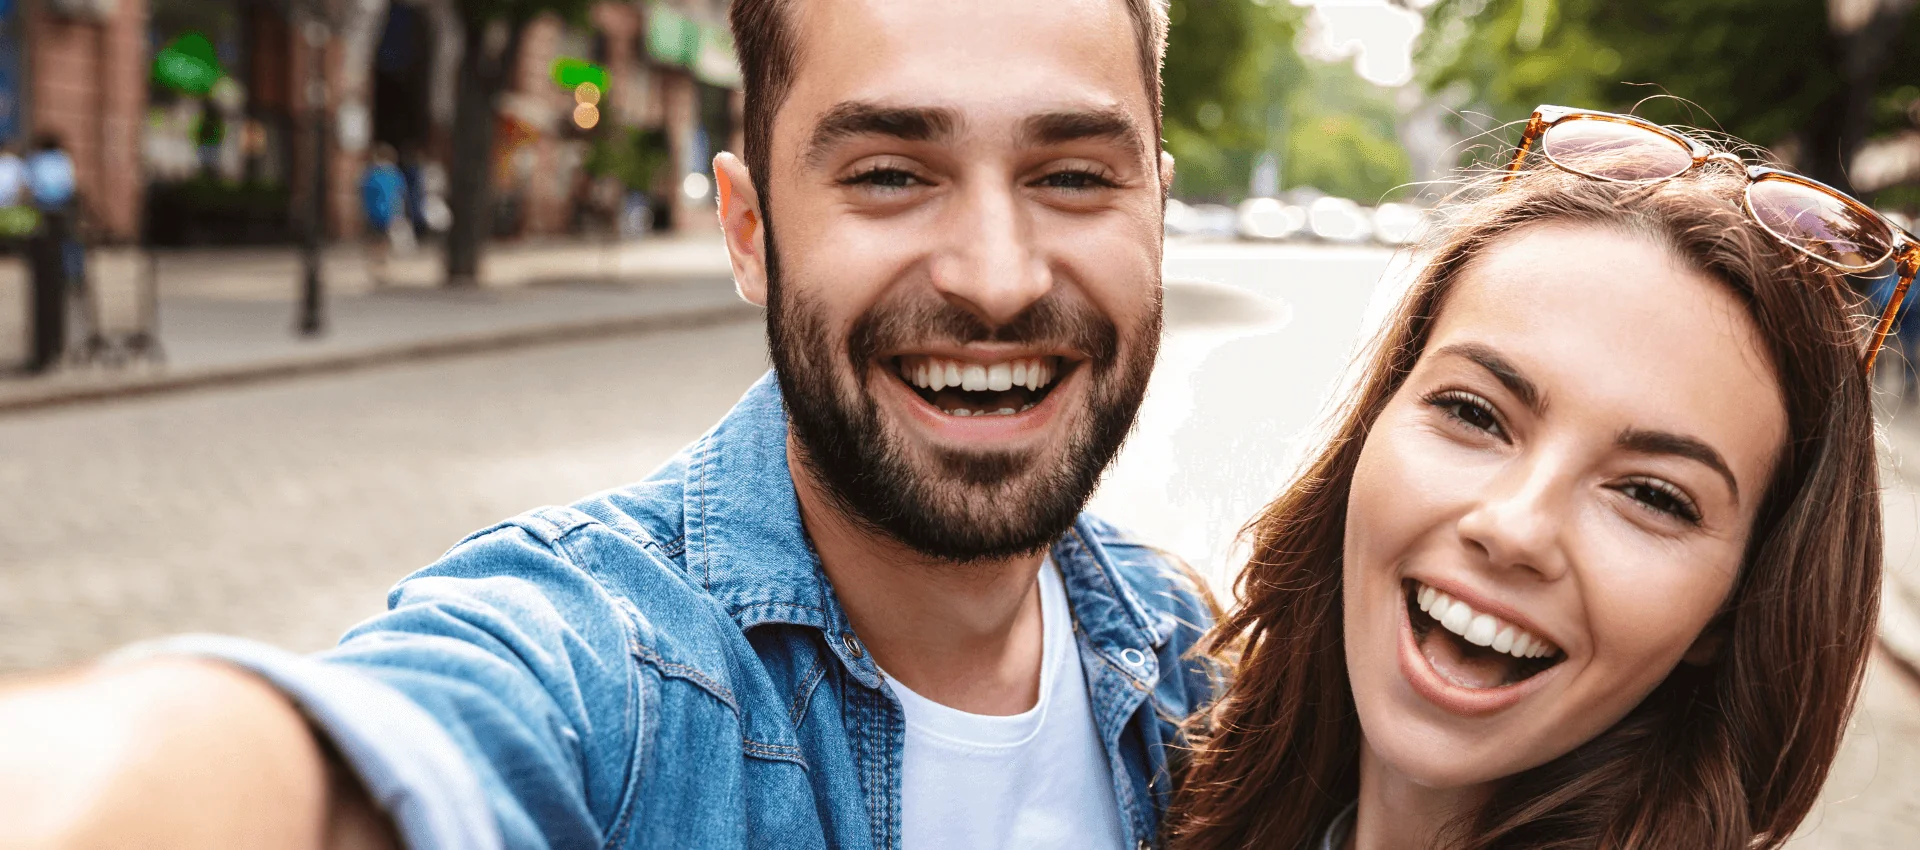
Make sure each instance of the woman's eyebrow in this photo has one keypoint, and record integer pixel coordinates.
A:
(1666, 443)
(1501, 369)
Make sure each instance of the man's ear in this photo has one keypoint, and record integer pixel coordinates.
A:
(740, 222)
(1166, 174)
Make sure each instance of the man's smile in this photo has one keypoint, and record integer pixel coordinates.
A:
(1003, 387)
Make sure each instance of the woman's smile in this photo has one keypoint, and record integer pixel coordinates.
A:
(1470, 647)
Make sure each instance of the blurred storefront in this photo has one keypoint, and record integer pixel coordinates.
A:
(670, 101)
(218, 142)
(190, 118)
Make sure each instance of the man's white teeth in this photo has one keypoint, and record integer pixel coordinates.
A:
(1482, 629)
(1004, 411)
(938, 373)
(1000, 377)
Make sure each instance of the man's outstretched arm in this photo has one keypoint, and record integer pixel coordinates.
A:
(495, 703)
(171, 753)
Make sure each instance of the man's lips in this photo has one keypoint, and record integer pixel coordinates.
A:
(981, 419)
(964, 387)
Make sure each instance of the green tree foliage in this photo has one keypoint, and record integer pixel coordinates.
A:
(1237, 87)
(1771, 72)
(1342, 136)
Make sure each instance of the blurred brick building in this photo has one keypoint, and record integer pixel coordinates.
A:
(75, 69)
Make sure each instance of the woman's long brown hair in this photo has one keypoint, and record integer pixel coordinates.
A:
(1728, 755)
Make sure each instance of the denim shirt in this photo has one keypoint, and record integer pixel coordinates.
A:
(666, 665)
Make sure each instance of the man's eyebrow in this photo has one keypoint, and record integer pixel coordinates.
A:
(1052, 128)
(1679, 445)
(859, 118)
(1502, 369)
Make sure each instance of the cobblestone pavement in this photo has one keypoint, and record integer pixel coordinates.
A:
(285, 511)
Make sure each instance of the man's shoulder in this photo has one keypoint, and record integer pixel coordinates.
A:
(1169, 588)
(644, 517)
(621, 552)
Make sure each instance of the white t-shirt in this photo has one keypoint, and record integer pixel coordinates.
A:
(1035, 779)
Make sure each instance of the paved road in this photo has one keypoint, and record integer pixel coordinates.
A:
(285, 511)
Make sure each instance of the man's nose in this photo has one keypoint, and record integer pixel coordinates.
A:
(990, 265)
(1517, 521)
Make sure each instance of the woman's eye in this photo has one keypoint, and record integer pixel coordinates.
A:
(884, 178)
(1469, 409)
(1662, 497)
(1074, 179)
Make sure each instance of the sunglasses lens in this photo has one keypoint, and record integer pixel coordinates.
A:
(1821, 223)
(1614, 150)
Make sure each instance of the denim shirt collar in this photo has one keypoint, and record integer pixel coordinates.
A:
(745, 543)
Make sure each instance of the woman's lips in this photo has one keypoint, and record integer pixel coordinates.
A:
(1454, 694)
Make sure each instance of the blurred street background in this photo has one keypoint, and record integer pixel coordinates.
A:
(333, 283)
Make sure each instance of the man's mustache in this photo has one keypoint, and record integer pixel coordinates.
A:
(1059, 320)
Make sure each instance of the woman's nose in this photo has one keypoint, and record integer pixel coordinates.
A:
(991, 267)
(1518, 520)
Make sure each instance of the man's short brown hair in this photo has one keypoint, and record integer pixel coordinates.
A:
(768, 47)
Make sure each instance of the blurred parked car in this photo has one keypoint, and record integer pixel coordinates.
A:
(1213, 220)
(1398, 224)
(1179, 218)
(1269, 219)
(1339, 220)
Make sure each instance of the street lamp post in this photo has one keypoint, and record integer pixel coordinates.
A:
(310, 321)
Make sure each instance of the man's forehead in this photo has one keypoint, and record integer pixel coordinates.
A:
(985, 61)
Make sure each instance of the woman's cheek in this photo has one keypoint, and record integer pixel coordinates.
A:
(1649, 602)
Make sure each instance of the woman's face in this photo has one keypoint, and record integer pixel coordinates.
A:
(1549, 512)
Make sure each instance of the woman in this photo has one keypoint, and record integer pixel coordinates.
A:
(1593, 557)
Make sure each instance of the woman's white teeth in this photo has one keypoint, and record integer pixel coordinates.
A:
(939, 373)
(1482, 629)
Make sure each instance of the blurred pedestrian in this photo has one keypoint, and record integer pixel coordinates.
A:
(383, 194)
(55, 193)
(57, 260)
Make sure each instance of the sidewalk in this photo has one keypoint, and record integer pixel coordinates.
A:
(227, 315)
(1900, 506)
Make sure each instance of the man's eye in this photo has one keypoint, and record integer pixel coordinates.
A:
(1074, 179)
(884, 178)
(1469, 409)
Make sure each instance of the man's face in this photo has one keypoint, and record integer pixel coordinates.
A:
(964, 280)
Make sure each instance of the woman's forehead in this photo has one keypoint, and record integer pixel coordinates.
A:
(1621, 323)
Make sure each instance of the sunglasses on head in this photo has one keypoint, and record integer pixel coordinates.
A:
(1806, 215)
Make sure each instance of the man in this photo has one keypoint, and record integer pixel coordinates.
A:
(862, 611)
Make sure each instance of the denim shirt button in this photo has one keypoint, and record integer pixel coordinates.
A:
(852, 645)
(1133, 657)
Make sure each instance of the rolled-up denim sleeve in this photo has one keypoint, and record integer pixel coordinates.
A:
(493, 704)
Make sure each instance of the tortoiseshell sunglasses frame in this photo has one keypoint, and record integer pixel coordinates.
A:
(1904, 246)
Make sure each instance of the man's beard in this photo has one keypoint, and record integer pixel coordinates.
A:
(969, 505)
